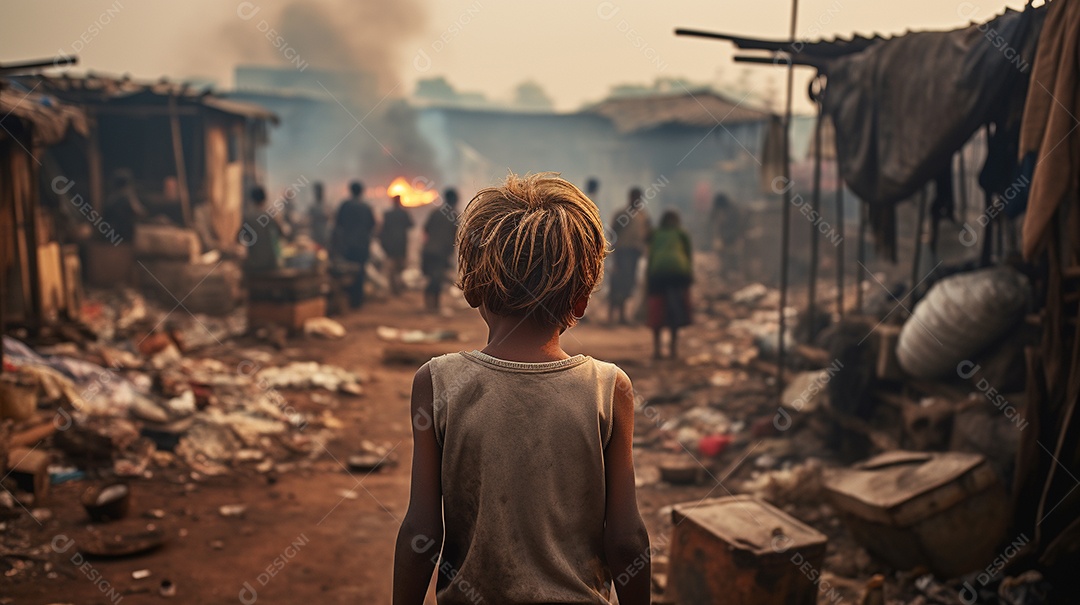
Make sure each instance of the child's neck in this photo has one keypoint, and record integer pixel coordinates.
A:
(522, 339)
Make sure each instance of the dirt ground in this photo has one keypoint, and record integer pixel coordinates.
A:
(319, 533)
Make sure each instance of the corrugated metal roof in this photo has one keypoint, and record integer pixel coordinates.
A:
(93, 88)
(704, 109)
(50, 119)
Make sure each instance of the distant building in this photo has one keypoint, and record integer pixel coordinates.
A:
(680, 148)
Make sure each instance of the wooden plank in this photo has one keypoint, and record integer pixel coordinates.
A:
(94, 165)
(51, 280)
(178, 154)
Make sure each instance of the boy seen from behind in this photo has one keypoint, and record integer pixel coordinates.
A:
(522, 463)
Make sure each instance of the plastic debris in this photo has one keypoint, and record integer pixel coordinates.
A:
(324, 327)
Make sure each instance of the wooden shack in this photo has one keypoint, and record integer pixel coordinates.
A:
(38, 276)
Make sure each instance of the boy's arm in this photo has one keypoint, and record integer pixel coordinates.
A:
(626, 542)
(420, 537)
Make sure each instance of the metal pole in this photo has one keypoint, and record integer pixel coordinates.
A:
(840, 226)
(785, 243)
(815, 205)
(860, 254)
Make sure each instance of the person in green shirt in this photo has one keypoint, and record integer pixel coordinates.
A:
(669, 274)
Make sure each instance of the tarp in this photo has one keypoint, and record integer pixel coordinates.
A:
(903, 106)
(1051, 128)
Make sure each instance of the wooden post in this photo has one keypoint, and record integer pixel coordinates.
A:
(785, 227)
(918, 244)
(94, 163)
(860, 254)
(962, 186)
(181, 170)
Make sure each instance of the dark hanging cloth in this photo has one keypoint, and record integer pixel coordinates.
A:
(904, 106)
(1051, 139)
(943, 208)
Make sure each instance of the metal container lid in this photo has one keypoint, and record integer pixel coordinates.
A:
(748, 524)
(901, 488)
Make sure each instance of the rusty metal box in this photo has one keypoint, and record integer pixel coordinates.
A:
(742, 551)
(945, 510)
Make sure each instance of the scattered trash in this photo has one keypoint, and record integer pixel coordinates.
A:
(806, 392)
(371, 459)
(309, 374)
(324, 327)
(750, 295)
(364, 462)
(682, 470)
(41, 515)
(232, 510)
(348, 494)
(390, 334)
(713, 445)
(107, 502)
(167, 589)
(797, 484)
(120, 539)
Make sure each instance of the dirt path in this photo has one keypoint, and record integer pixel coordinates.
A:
(318, 534)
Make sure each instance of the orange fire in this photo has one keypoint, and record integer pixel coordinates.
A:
(411, 196)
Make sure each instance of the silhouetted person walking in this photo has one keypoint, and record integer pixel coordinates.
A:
(353, 227)
(394, 238)
(319, 217)
(440, 233)
(630, 230)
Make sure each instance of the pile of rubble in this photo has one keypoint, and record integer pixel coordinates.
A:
(865, 483)
(150, 397)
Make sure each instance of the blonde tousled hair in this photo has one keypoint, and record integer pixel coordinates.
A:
(531, 247)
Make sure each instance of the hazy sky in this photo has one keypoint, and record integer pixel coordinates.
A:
(575, 49)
